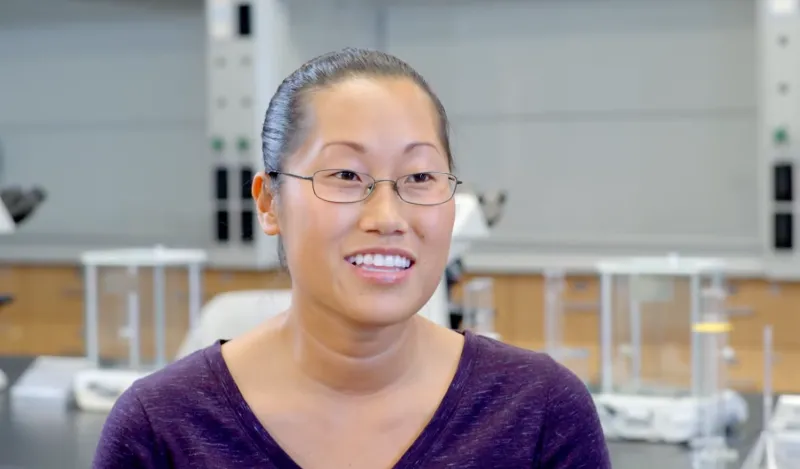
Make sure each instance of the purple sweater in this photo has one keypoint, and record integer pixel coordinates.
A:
(506, 408)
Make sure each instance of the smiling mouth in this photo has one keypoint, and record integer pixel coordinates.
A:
(381, 262)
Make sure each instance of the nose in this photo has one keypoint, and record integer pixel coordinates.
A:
(381, 212)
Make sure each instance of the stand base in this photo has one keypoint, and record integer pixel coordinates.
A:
(97, 390)
(662, 419)
(774, 451)
(712, 453)
(779, 444)
(47, 383)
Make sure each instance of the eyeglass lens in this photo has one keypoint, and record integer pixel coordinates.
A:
(426, 188)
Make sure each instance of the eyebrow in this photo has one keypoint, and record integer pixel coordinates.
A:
(362, 149)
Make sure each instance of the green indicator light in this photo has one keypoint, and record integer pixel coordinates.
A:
(243, 144)
(781, 136)
(217, 144)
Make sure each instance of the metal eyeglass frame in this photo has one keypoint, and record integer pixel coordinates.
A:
(371, 187)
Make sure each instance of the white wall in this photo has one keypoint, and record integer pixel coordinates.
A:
(614, 125)
(102, 103)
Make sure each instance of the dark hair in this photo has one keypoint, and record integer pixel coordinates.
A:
(286, 114)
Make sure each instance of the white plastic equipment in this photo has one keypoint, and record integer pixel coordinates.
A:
(785, 430)
(232, 314)
(113, 279)
(657, 346)
(778, 445)
(470, 225)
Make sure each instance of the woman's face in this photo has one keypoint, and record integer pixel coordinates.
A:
(386, 128)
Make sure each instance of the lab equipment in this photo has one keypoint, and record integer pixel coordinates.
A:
(16, 206)
(776, 153)
(710, 449)
(470, 225)
(652, 347)
(119, 286)
(555, 310)
(778, 444)
(232, 314)
(479, 311)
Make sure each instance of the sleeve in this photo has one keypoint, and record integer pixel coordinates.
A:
(127, 439)
(572, 436)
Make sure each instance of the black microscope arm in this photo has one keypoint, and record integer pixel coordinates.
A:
(21, 203)
(453, 274)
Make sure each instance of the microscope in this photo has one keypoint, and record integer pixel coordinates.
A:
(486, 209)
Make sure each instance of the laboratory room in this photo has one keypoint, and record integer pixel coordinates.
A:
(373, 234)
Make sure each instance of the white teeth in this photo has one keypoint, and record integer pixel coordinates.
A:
(380, 260)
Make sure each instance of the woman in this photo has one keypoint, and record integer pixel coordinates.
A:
(358, 186)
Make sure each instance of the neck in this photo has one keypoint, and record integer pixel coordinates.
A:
(348, 358)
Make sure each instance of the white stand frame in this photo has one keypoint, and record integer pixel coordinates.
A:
(96, 389)
(778, 445)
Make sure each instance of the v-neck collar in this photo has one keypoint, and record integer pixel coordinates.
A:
(411, 458)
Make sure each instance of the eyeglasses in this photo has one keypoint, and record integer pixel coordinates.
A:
(343, 186)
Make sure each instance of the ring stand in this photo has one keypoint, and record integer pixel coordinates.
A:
(778, 444)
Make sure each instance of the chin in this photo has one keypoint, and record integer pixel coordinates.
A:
(379, 314)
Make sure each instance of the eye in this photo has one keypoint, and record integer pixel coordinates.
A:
(346, 175)
(420, 178)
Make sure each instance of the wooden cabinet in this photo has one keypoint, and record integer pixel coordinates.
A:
(12, 316)
(47, 315)
(754, 303)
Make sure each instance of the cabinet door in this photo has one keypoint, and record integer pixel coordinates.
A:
(53, 299)
(12, 315)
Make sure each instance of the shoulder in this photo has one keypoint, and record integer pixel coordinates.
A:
(150, 412)
(547, 396)
(520, 369)
(190, 381)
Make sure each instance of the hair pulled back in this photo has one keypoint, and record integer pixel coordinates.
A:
(286, 113)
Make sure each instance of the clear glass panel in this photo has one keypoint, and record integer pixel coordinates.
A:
(651, 333)
(573, 357)
(113, 286)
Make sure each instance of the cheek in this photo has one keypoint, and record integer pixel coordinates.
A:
(313, 227)
(437, 228)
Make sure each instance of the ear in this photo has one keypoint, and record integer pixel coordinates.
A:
(265, 204)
